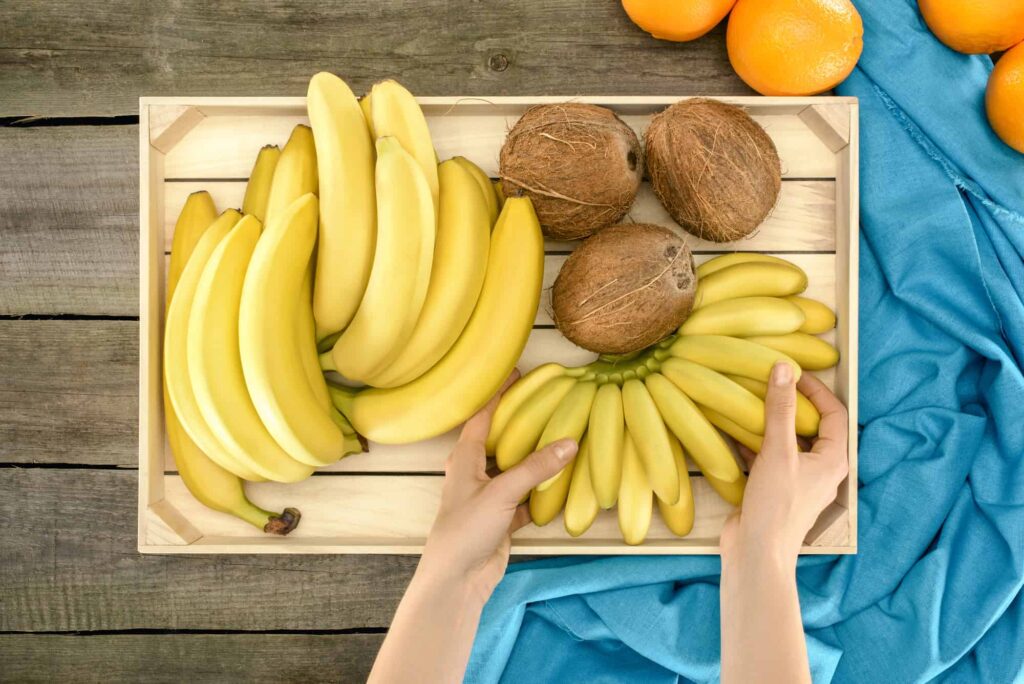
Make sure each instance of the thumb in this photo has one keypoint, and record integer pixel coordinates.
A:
(780, 411)
(512, 485)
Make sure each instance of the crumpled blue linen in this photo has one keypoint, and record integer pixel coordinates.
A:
(935, 590)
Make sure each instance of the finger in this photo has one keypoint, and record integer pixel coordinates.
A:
(780, 411)
(516, 482)
(833, 428)
(476, 428)
(521, 518)
(747, 454)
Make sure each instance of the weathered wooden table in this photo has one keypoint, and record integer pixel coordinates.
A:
(77, 602)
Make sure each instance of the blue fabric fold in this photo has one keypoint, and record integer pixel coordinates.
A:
(935, 591)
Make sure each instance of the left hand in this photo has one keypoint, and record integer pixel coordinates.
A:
(471, 535)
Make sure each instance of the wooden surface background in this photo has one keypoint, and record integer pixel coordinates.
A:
(76, 600)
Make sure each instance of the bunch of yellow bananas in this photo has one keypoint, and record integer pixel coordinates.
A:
(635, 415)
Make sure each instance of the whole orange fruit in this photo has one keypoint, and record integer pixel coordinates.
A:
(1004, 98)
(975, 26)
(678, 20)
(794, 47)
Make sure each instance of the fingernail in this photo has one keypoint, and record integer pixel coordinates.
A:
(782, 374)
(565, 449)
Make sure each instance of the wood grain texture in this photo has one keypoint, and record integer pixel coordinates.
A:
(195, 658)
(98, 58)
(69, 220)
(70, 563)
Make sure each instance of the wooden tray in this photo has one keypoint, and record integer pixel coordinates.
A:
(384, 501)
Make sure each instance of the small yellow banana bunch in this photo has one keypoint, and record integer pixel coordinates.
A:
(639, 419)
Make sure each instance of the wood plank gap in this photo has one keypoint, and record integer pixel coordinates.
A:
(206, 180)
(41, 121)
(68, 466)
(158, 631)
(66, 317)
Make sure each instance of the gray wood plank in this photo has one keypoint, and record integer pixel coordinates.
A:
(69, 392)
(70, 564)
(69, 219)
(99, 57)
(196, 658)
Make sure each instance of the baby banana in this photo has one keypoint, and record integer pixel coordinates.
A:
(486, 189)
(813, 353)
(257, 190)
(678, 517)
(818, 318)
(195, 217)
(605, 434)
(215, 366)
(650, 437)
(294, 175)
(483, 356)
(400, 275)
(525, 428)
(740, 434)
(348, 205)
(745, 317)
(807, 416)
(731, 355)
(635, 497)
(750, 279)
(545, 505)
(460, 258)
(268, 340)
(713, 389)
(705, 446)
(395, 113)
(581, 504)
(569, 421)
(516, 396)
(726, 260)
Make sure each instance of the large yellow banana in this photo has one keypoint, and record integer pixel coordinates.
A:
(605, 434)
(651, 440)
(733, 355)
(195, 217)
(726, 260)
(569, 421)
(731, 491)
(484, 355)
(581, 504)
(401, 269)
(460, 259)
(257, 190)
(545, 505)
(176, 374)
(348, 206)
(268, 339)
(395, 113)
(366, 104)
(517, 395)
(745, 317)
(294, 175)
(215, 366)
(211, 485)
(486, 189)
(499, 194)
(713, 389)
(705, 446)
(750, 279)
(807, 416)
(636, 500)
(812, 353)
(737, 432)
(818, 318)
(678, 517)
(525, 428)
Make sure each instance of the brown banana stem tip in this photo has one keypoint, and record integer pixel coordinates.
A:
(284, 523)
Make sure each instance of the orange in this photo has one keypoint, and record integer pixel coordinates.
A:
(794, 47)
(1004, 98)
(975, 26)
(678, 20)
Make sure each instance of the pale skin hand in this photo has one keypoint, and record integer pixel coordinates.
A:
(762, 632)
(464, 558)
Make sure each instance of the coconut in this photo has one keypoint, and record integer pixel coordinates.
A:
(579, 164)
(713, 167)
(624, 289)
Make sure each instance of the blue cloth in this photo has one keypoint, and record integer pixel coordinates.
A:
(935, 591)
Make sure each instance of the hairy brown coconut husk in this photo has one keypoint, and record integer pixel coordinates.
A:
(713, 167)
(579, 164)
(624, 289)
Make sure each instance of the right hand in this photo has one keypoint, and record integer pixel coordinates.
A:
(788, 489)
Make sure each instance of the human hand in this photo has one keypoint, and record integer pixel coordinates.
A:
(471, 535)
(787, 488)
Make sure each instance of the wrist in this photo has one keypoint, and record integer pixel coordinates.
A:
(758, 557)
(444, 577)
